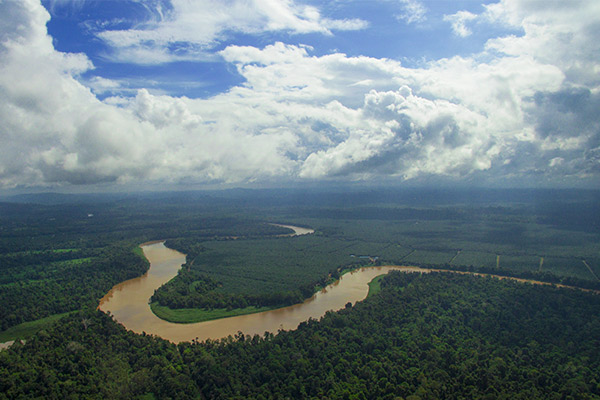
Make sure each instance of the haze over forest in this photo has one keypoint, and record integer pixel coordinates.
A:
(121, 95)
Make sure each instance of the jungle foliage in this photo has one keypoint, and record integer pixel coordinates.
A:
(59, 253)
(428, 337)
(511, 239)
(425, 336)
(62, 257)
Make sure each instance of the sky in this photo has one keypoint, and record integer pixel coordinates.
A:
(190, 94)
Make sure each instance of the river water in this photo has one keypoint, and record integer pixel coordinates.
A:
(128, 301)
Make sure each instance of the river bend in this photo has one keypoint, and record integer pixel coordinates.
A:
(128, 301)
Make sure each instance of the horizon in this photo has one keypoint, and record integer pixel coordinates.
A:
(170, 95)
(325, 196)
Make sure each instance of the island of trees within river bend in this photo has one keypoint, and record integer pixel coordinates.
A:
(422, 336)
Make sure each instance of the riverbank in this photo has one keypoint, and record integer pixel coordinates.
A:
(128, 301)
(194, 315)
(298, 230)
(375, 286)
(188, 316)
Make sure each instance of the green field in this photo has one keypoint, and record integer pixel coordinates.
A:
(192, 315)
(475, 258)
(375, 286)
(26, 329)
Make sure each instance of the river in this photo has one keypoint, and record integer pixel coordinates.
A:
(128, 301)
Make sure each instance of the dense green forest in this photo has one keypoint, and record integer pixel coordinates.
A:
(422, 337)
(62, 257)
(438, 336)
(87, 243)
(512, 239)
(37, 285)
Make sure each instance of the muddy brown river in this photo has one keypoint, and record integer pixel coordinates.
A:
(128, 301)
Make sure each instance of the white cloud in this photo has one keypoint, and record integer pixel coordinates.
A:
(191, 28)
(413, 11)
(101, 85)
(459, 20)
(452, 118)
(353, 24)
(560, 33)
(300, 116)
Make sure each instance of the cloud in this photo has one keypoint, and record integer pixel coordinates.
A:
(54, 129)
(459, 20)
(564, 34)
(190, 29)
(566, 121)
(503, 114)
(67, 6)
(452, 118)
(100, 85)
(413, 11)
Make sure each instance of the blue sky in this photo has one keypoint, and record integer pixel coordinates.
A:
(178, 93)
(392, 29)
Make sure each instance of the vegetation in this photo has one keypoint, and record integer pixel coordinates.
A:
(191, 315)
(61, 258)
(505, 240)
(66, 253)
(375, 285)
(34, 288)
(27, 329)
(431, 336)
(425, 336)
(268, 272)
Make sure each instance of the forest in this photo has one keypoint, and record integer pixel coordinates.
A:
(512, 239)
(435, 336)
(422, 337)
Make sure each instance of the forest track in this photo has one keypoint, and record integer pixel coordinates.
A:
(590, 269)
(454, 258)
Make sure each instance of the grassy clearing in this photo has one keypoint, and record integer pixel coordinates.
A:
(71, 262)
(27, 329)
(192, 315)
(138, 250)
(375, 285)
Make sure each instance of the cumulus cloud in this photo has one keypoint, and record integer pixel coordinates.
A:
(512, 111)
(56, 131)
(190, 28)
(564, 34)
(459, 21)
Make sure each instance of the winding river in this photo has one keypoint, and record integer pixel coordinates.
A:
(127, 302)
